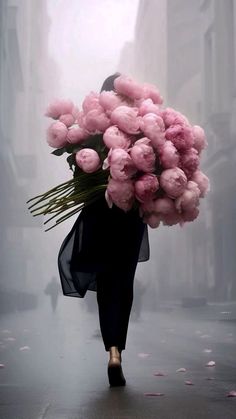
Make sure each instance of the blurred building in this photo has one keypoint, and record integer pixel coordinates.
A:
(197, 69)
(24, 26)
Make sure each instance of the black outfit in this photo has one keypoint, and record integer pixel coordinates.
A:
(101, 253)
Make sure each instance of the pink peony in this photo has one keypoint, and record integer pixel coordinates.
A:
(146, 187)
(147, 106)
(143, 155)
(57, 135)
(189, 198)
(172, 219)
(88, 160)
(80, 119)
(128, 87)
(190, 215)
(91, 102)
(173, 181)
(58, 108)
(164, 206)
(169, 156)
(189, 162)
(181, 136)
(147, 206)
(126, 119)
(110, 100)
(202, 181)
(172, 117)
(121, 164)
(150, 91)
(67, 119)
(199, 138)
(113, 137)
(76, 135)
(96, 121)
(120, 193)
(153, 220)
(153, 127)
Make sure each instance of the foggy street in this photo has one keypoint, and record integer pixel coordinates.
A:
(55, 364)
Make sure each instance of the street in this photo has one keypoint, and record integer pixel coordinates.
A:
(53, 365)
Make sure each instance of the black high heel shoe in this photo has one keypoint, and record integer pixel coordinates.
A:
(114, 370)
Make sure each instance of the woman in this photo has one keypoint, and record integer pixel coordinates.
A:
(101, 253)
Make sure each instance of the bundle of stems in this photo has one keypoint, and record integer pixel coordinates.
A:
(68, 198)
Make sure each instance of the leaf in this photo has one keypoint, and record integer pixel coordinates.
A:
(59, 151)
(71, 161)
(2, 366)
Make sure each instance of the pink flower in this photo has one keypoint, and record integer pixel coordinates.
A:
(121, 164)
(113, 137)
(146, 187)
(58, 108)
(169, 156)
(199, 138)
(96, 121)
(189, 198)
(128, 87)
(110, 100)
(91, 102)
(202, 181)
(76, 135)
(121, 193)
(150, 91)
(164, 206)
(57, 135)
(173, 181)
(80, 119)
(147, 206)
(189, 162)
(153, 127)
(143, 155)
(126, 119)
(67, 119)
(153, 220)
(172, 117)
(171, 219)
(190, 215)
(88, 160)
(181, 136)
(147, 106)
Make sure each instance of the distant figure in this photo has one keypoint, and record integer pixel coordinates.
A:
(140, 289)
(52, 289)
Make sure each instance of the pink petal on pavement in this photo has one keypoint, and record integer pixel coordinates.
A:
(2, 366)
(10, 339)
(181, 370)
(205, 336)
(232, 394)
(153, 394)
(143, 355)
(189, 383)
(24, 348)
(211, 364)
(207, 351)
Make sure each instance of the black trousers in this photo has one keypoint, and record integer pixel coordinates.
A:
(115, 298)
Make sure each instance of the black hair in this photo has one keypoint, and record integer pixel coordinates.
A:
(108, 83)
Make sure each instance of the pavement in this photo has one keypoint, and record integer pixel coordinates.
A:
(54, 364)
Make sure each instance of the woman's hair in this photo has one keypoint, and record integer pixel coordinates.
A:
(108, 84)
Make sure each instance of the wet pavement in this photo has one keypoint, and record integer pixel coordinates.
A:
(54, 365)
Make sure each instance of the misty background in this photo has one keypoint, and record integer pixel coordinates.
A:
(59, 49)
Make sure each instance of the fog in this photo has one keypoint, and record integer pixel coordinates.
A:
(59, 49)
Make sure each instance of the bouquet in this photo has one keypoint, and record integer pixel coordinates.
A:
(125, 145)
